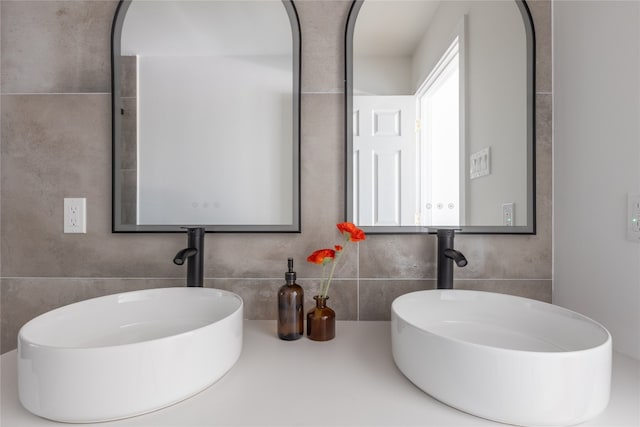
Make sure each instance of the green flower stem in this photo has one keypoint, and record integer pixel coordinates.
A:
(322, 282)
(325, 292)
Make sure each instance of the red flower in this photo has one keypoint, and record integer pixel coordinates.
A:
(353, 233)
(326, 256)
(322, 256)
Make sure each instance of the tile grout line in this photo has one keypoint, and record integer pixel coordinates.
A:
(357, 278)
(53, 93)
(322, 93)
(358, 281)
(159, 278)
(405, 279)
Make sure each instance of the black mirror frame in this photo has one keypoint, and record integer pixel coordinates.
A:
(116, 125)
(530, 228)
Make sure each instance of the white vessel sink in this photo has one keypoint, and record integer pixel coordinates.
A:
(504, 358)
(127, 354)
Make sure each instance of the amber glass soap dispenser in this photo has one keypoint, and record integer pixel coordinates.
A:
(290, 310)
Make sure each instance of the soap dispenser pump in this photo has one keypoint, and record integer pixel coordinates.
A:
(290, 307)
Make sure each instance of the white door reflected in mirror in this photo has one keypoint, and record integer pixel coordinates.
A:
(394, 154)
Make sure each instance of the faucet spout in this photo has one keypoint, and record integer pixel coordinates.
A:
(183, 254)
(457, 256)
(446, 256)
(194, 255)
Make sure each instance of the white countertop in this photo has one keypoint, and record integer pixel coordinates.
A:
(348, 381)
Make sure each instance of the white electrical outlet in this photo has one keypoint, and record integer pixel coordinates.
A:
(508, 214)
(75, 215)
(633, 217)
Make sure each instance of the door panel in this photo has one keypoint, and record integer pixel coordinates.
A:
(384, 142)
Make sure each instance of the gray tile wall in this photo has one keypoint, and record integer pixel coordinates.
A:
(56, 143)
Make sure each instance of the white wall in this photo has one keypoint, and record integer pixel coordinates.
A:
(382, 75)
(596, 162)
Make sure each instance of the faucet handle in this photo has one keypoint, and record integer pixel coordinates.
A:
(195, 231)
(447, 231)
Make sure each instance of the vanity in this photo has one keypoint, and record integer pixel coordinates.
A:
(351, 380)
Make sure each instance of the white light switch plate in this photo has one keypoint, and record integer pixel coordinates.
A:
(480, 163)
(633, 217)
(75, 215)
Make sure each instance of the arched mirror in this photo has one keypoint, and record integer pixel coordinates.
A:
(206, 116)
(440, 114)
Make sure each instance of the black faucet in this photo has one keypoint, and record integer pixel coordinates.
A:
(194, 254)
(446, 256)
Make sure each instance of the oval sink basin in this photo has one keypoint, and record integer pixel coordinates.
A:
(504, 358)
(127, 354)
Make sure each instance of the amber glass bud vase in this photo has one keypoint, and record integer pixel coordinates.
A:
(321, 321)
